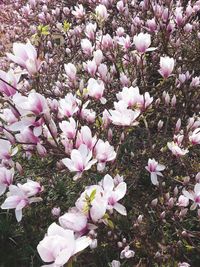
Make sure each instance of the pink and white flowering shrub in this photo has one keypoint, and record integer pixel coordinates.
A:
(92, 90)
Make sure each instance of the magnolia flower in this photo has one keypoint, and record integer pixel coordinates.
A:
(122, 115)
(69, 105)
(59, 245)
(79, 11)
(176, 149)
(31, 188)
(84, 136)
(127, 253)
(93, 202)
(142, 41)
(6, 151)
(166, 66)
(74, 220)
(96, 89)
(193, 195)
(6, 179)
(195, 137)
(155, 170)
(17, 199)
(86, 46)
(70, 70)
(25, 55)
(101, 13)
(115, 263)
(11, 78)
(68, 128)
(183, 201)
(103, 152)
(114, 194)
(56, 211)
(35, 103)
(80, 160)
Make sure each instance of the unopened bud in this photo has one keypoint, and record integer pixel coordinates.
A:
(154, 202)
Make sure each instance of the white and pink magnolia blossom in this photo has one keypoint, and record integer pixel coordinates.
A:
(87, 47)
(69, 105)
(194, 137)
(68, 128)
(11, 78)
(84, 136)
(142, 42)
(6, 151)
(6, 179)
(90, 67)
(79, 11)
(74, 220)
(154, 168)
(34, 103)
(70, 70)
(96, 89)
(81, 160)
(132, 97)
(25, 55)
(103, 152)
(193, 195)
(101, 13)
(183, 201)
(18, 198)
(31, 188)
(123, 116)
(166, 66)
(176, 149)
(98, 57)
(59, 245)
(93, 202)
(114, 194)
(127, 253)
(90, 30)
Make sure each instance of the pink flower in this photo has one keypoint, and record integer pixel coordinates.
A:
(127, 253)
(176, 149)
(193, 195)
(31, 188)
(70, 70)
(122, 115)
(103, 152)
(35, 103)
(74, 220)
(6, 151)
(86, 46)
(59, 245)
(142, 41)
(79, 11)
(25, 55)
(183, 201)
(155, 170)
(68, 128)
(17, 199)
(6, 179)
(80, 160)
(93, 202)
(56, 211)
(195, 137)
(114, 194)
(101, 13)
(166, 66)
(96, 89)
(84, 136)
(11, 78)
(69, 105)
